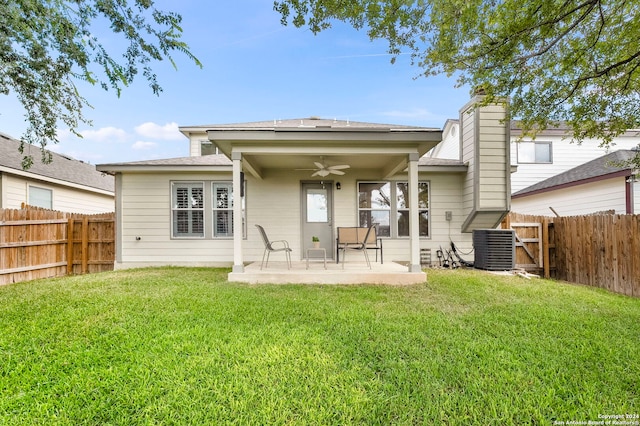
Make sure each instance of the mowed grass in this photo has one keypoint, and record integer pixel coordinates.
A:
(184, 346)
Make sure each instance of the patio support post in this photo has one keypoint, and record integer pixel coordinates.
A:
(414, 222)
(238, 263)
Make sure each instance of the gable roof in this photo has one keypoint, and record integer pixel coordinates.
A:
(603, 167)
(301, 124)
(61, 168)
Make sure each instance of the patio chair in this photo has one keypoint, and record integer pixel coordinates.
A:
(269, 247)
(356, 244)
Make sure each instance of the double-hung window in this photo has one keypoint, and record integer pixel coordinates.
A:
(374, 206)
(222, 209)
(402, 200)
(187, 209)
(203, 209)
(534, 152)
(386, 205)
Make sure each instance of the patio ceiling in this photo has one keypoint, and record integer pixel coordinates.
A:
(290, 149)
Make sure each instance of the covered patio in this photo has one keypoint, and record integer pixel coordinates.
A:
(354, 272)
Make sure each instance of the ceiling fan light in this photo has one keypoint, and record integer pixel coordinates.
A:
(322, 173)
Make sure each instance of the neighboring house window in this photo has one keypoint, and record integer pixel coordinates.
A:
(40, 197)
(223, 209)
(375, 207)
(188, 209)
(534, 152)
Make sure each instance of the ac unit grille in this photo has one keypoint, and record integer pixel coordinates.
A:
(495, 249)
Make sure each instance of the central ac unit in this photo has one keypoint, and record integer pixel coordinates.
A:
(495, 249)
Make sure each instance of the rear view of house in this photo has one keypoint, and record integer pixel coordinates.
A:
(307, 177)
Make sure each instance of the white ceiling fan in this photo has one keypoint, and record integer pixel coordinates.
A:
(322, 169)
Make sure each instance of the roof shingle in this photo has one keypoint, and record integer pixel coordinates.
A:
(62, 167)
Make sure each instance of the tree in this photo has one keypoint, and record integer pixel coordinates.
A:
(558, 61)
(47, 46)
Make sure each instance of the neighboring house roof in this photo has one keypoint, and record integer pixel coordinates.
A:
(62, 168)
(607, 166)
(562, 129)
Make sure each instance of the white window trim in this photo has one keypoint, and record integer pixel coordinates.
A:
(42, 188)
(209, 209)
(215, 209)
(175, 209)
(549, 143)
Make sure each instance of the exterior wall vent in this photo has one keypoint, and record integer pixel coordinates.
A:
(495, 249)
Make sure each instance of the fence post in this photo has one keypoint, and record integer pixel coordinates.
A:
(545, 247)
(85, 245)
(70, 246)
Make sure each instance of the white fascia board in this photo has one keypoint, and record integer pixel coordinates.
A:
(118, 168)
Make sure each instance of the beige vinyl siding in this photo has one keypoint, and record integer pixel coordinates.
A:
(446, 196)
(274, 203)
(15, 191)
(146, 214)
(576, 200)
(194, 145)
(492, 167)
(75, 201)
(468, 118)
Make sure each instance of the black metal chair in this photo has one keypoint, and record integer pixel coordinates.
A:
(269, 247)
(357, 244)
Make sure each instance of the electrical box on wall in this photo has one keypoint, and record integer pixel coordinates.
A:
(448, 215)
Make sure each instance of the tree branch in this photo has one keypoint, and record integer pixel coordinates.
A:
(598, 74)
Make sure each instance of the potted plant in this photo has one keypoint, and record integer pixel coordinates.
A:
(316, 241)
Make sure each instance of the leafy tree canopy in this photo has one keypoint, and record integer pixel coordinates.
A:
(46, 46)
(571, 61)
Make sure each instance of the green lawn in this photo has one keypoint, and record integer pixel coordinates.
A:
(184, 346)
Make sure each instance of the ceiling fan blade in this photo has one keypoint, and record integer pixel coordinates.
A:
(336, 172)
(322, 173)
(319, 165)
(339, 167)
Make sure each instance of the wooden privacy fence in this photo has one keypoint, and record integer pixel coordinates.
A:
(37, 243)
(600, 250)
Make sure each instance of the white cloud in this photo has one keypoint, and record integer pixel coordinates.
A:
(105, 134)
(142, 145)
(168, 132)
(64, 134)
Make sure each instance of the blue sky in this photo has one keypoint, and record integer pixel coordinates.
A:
(254, 69)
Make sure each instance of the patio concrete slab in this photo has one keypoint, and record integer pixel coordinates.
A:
(390, 273)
